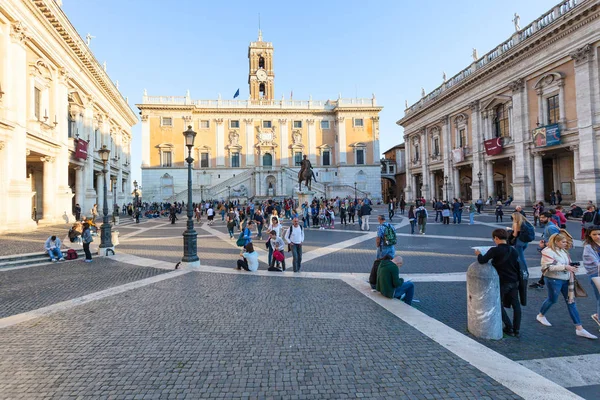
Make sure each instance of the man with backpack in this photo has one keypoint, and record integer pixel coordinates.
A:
(295, 237)
(386, 238)
(421, 216)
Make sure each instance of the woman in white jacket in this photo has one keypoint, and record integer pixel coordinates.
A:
(591, 262)
(559, 276)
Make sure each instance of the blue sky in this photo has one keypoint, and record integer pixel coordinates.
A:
(391, 48)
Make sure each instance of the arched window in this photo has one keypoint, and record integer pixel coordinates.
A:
(261, 62)
(267, 160)
(501, 127)
(261, 90)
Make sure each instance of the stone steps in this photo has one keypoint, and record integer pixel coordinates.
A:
(18, 260)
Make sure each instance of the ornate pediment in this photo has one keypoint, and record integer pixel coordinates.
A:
(297, 137)
(266, 137)
(234, 138)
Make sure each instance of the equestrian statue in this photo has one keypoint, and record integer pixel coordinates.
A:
(305, 174)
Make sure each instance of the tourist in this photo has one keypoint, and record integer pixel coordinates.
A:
(402, 205)
(295, 238)
(574, 212)
(391, 209)
(246, 233)
(94, 213)
(274, 244)
(550, 229)
(87, 238)
(472, 210)
(365, 211)
(559, 275)
(421, 215)
(523, 233)
(505, 261)
(260, 223)
(558, 197)
(457, 211)
(210, 214)
(230, 225)
(351, 213)
(438, 206)
(561, 217)
(591, 262)
(343, 212)
(536, 213)
(445, 213)
(412, 219)
(590, 218)
(77, 212)
(52, 247)
(249, 259)
(386, 238)
(389, 283)
(499, 213)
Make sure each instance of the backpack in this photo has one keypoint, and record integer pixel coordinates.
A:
(527, 233)
(420, 215)
(71, 254)
(290, 230)
(389, 235)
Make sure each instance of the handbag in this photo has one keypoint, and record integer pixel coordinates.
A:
(579, 291)
(278, 256)
(241, 241)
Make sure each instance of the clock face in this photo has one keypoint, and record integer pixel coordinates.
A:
(261, 75)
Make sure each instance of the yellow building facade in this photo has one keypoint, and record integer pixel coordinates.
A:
(251, 149)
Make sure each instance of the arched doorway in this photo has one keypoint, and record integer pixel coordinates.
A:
(271, 186)
(267, 160)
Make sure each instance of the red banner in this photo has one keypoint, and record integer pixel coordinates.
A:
(493, 146)
(81, 149)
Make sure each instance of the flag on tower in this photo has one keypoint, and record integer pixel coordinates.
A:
(291, 95)
(237, 93)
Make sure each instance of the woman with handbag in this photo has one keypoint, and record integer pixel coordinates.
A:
(559, 277)
(591, 262)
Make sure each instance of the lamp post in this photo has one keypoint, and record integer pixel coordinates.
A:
(228, 195)
(479, 180)
(190, 237)
(115, 209)
(446, 180)
(355, 198)
(105, 232)
(135, 193)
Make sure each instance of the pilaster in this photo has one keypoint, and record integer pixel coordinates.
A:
(341, 137)
(312, 141)
(145, 141)
(220, 142)
(522, 157)
(249, 122)
(284, 150)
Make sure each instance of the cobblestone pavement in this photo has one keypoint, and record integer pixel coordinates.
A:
(447, 302)
(27, 289)
(200, 336)
(30, 242)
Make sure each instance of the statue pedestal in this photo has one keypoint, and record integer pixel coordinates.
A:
(305, 196)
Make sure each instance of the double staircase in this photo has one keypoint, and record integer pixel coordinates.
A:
(220, 190)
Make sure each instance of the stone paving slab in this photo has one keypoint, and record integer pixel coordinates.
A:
(447, 302)
(30, 288)
(236, 336)
(31, 242)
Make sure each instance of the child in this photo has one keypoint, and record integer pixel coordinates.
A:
(249, 259)
(275, 243)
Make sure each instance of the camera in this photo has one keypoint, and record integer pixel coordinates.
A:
(574, 264)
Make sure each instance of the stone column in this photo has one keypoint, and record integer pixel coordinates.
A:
(456, 182)
(432, 186)
(540, 111)
(410, 188)
(561, 104)
(249, 142)
(376, 153)
(49, 195)
(312, 141)
(341, 133)
(64, 194)
(539, 176)
(220, 142)
(490, 179)
(18, 190)
(446, 149)
(146, 141)
(100, 192)
(576, 167)
(588, 187)
(425, 165)
(476, 143)
(522, 163)
(79, 188)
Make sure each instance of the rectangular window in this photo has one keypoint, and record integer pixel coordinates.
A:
(72, 127)
(462, 138)
(297, 124)
(37, 99)
(204, 124)
(392, 169)
(298, 158)
(234, 124)
(360, 157)
(267, 124)
(166, 159)
(327, 157)
(203, 160)
(436, 147)
(324, 124)
(235, 160)
(553, 110)
(359, 122)
(96, 138)
(166, 121)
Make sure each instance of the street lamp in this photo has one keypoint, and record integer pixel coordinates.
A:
(115, 208)
(446, 179)
(479, 179)
(190, 237)
(135, 203)
(228, 195)
(355, 197)
(105, 233)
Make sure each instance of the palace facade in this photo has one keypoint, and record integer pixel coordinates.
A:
(57, 108)
(522, 120)
(251, 149)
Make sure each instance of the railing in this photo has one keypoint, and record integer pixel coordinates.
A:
(539, 24)
(287, 104)
(220, 187)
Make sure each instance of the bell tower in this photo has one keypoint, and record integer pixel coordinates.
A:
(261, 78)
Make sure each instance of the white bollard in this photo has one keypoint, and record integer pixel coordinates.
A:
(483, 302)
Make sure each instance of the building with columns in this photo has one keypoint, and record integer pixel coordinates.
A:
(57, 108)
(522, 120)
(251, 149)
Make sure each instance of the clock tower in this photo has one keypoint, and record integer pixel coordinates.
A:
(261, 77)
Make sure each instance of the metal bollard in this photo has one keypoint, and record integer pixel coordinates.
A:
(483, 302)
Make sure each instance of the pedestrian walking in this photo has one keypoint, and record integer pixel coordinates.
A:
(446, 213)
(386, 239)
(402, 205)
(472, 210)
(94, 213)
(295, 238)
(365, 211)
(591, 262)
(499, 213)
(412, 219)
(87, 238)
(559, 275)
(421, 215)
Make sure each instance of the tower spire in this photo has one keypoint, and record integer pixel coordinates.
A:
(259, 31)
